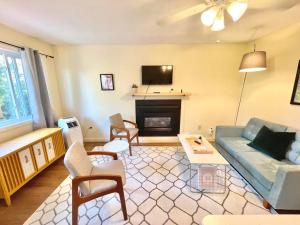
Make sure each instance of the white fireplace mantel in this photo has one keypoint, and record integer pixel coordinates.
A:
(162, 94)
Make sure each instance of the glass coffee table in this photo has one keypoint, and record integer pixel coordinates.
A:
(211, 167)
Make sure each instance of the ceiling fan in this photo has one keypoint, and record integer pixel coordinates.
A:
(212, 11)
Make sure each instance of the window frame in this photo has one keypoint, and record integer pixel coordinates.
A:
(12, 126)
(19, 121)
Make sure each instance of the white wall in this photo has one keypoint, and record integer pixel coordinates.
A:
(267, 94)
(208, 71)
(11, 36)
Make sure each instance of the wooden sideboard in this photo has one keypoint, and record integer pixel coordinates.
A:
(24, 157)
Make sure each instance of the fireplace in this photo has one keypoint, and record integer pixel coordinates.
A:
(158, 117)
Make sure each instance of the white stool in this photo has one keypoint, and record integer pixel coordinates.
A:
(117, 146)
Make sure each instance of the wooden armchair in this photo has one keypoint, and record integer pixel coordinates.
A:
(89, 181)
(118, 130)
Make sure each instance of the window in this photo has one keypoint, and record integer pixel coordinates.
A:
(14, 101)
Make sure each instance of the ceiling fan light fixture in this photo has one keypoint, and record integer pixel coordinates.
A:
(208, 16)
(237, 9)
(218, 24)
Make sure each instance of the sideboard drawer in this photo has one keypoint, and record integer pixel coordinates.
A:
(50, 148)
(26, 162)
(39, 155)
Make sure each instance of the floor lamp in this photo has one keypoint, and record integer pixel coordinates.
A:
(252, 62)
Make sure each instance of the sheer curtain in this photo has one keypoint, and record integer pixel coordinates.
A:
(42, 115)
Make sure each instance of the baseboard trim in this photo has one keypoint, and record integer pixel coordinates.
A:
(158, 139)
(96, 140)
(142, 140)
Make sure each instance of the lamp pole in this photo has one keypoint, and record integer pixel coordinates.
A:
(239, 105)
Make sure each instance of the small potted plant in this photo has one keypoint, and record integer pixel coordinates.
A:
(134, 88)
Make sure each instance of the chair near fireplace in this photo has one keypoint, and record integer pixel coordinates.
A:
(119, 130)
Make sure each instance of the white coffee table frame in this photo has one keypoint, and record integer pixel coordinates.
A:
(117, 146)
(214, 158)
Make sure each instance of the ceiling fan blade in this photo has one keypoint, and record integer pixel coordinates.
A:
(259, 4)
(183, 14)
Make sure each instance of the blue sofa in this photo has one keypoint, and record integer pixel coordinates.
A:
(278, 182)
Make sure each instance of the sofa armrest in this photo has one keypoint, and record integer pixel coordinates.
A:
(229, 131)
(285, 192)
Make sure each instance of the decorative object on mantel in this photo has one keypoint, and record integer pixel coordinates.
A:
(255, 61)
(107, 82)
(134, 88)
(295, 100)
(175, 94)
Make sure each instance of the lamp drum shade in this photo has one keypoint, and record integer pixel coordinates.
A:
(254, 62)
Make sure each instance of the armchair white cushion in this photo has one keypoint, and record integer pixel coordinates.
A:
(114, 167)
(132, 132)
(78, 164)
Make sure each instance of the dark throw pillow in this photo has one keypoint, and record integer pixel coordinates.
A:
(274, 144)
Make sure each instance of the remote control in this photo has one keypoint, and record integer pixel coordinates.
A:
(198, 142)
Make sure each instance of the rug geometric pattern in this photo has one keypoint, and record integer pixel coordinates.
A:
(156, 192)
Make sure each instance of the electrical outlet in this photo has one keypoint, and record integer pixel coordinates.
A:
(211, 131)
(199, 127)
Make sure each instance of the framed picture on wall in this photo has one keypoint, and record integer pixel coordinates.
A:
(107, 82)
(295, 100)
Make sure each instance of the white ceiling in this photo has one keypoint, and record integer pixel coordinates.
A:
(134, 21)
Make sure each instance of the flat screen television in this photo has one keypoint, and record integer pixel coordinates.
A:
(162, 74)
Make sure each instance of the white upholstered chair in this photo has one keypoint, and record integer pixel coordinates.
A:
(119, 130)
(89, 181)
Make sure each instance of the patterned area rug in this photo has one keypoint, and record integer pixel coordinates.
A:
(156, 192)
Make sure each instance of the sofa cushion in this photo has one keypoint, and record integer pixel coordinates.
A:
(238, 149)
(293, 153)
(274, 144)
(234, 145)
(260, 166)
(289, 129)
(255, 124)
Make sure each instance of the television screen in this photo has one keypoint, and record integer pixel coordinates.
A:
(157, 74)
